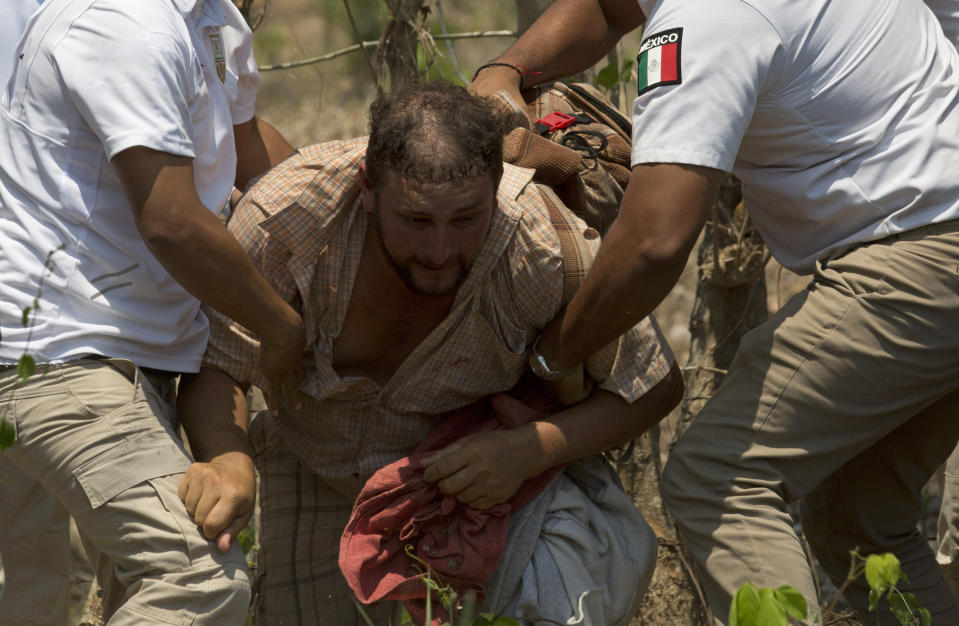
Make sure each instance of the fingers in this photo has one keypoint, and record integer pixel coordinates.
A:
(274, 396)
(223, 541)
(291, 387)
(218, 507)
(285, 388)
(445, 462)
(233, 529)
(189, 490)
(453, 485)
(478, 494)
(280, 363)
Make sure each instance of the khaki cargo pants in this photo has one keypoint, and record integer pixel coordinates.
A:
(845, 399)
(96, 440)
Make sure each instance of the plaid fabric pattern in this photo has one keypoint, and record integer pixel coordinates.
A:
(304, 227)
(298, 580)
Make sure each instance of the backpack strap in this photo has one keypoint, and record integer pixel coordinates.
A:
(572, 246)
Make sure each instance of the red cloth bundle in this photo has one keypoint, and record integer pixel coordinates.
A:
(397, 508)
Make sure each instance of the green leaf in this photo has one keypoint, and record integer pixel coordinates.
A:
(7, 433)
(25, 316)
(792, 601)
(246, 539)
(25, 367)
(770, 613)
(874, 599)
(608, 76)
(899, 605)
(745, 606)
(925, 616)
(883, 571)
(505, 621)
(627, 72)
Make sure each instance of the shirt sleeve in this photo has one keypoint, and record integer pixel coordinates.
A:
(698, 80)
(132, 76)
(239, 38)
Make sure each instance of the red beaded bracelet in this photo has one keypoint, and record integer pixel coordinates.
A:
(522, 70)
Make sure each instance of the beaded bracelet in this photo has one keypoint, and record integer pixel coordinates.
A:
(522, 70)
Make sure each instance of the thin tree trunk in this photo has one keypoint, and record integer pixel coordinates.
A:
(401, 39)
(730, 300)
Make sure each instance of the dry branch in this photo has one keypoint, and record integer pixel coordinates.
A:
(372, 44)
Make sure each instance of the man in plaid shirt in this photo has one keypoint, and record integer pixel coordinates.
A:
(424, 269)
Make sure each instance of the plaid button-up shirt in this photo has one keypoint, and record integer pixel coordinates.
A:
(304, 227)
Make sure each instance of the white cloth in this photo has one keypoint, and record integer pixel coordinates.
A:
(15, 14)
(840, 118)
(580, 553)
(98, 77)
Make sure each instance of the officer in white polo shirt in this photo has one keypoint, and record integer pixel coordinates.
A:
(841, 119)
(11, 27)
(123, 129)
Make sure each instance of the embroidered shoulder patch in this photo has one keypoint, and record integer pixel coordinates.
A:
(658, 61)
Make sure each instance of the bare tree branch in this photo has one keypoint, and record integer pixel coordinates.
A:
(356, 31)
(372, 44)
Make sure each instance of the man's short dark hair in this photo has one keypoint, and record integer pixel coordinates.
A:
(433, 133)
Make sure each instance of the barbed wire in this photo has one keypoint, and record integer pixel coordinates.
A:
(372, 44)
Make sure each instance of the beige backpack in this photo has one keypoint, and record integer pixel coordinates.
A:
(579, 146)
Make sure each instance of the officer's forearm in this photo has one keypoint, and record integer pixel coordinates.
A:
(201, 255)
(641, 258)
(602, 421)
(213, 410)
(571, 36)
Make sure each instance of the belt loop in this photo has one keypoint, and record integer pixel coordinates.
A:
(136, 382)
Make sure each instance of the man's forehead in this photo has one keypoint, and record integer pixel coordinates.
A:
(397, 187)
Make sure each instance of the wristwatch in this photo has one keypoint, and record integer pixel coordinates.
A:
(537, 363)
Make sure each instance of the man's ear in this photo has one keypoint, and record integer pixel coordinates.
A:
(366, 189)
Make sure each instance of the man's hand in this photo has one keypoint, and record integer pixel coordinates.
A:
(219, 496)
(485, 469)
(499, 78)
(280, 355)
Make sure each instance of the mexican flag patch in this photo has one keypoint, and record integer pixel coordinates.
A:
(658, 59)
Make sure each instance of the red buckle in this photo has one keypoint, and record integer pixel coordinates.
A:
(556, 121)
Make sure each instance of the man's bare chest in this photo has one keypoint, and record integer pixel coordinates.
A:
(382, 327)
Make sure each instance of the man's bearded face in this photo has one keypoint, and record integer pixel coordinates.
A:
(432, 233)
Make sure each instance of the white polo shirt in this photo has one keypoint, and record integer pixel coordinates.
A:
(16, 13)
(98, 77)
(840, 118)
